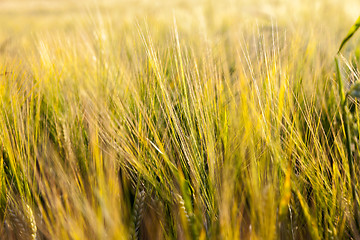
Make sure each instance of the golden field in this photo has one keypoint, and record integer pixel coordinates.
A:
(179, 119)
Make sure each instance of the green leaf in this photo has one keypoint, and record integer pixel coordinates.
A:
(353, 29)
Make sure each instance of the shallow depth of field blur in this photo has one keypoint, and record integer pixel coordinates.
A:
(183, 119)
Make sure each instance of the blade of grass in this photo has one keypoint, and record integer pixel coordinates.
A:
(351, 32)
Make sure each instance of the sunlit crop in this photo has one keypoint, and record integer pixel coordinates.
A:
(179, 119)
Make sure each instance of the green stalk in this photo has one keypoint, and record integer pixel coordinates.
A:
(345, 112)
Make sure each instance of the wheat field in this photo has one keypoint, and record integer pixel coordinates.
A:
(179, 119)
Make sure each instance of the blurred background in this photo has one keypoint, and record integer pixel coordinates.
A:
(21, 18)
